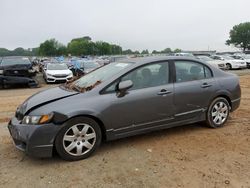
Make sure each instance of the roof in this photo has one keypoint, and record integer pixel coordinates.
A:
(143, 60)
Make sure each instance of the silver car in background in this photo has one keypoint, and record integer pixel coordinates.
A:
(216, 63)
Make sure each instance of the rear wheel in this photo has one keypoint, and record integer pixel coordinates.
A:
(78, 139)
(218, 112)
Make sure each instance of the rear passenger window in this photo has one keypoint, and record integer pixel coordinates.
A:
(189, 71)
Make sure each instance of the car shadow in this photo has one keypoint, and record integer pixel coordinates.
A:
(148, 137)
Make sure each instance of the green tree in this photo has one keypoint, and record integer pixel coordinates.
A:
(239, 36)
(104, 48)
(166, 50)
(155, 52)
(82, 46)
(144, 52)
(51, 47)
(177, 50)
(4, 52)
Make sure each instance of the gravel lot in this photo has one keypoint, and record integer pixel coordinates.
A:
(188, 156)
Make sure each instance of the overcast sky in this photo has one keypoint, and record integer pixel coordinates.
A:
(135, 24)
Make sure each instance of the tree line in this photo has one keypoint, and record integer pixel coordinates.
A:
(77, 47)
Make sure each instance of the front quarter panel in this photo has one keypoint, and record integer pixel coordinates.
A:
(83, 104)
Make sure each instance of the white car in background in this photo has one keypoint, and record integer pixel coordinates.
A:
(230, 62)
(185, 54)
(216, 63)
(245, 57)
(57, 72)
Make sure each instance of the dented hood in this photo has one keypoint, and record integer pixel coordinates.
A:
(44, 97)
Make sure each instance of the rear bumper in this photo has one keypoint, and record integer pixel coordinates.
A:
(235, 104)
(34, 140)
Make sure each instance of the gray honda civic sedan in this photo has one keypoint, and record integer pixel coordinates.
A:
(122, 99)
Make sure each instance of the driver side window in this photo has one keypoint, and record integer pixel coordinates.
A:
(151, 75)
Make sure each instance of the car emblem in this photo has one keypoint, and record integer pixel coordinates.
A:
(16, 72)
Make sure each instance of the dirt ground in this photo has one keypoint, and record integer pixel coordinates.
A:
(188, 156)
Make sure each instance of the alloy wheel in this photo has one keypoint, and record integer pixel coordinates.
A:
(79, 139)
(220, 113)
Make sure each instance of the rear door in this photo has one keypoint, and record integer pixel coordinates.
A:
(193, 88)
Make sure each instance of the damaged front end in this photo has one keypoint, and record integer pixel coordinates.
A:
(17, 75)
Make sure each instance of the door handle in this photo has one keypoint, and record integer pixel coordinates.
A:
(205, 85)
(164, 92)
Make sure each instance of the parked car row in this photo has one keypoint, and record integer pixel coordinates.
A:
(20, 70)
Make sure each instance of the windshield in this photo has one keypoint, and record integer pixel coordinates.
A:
(100, 75)
(228, 58)
(205, 58)
(55, 66)
(15, 61)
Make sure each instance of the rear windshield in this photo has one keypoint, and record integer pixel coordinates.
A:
(15, 61)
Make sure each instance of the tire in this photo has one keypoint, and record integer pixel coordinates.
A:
(72, 143)
(218, 113)
(229, 66)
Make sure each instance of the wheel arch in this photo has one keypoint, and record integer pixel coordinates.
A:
(223, 96)
(97, 120)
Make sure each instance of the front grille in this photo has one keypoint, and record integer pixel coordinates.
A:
(60, 75)
(16, 73)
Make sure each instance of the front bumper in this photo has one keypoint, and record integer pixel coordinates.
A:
(12, 80)
(52, 79)
(35, 140)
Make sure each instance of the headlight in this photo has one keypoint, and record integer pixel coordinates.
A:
(1, 71)
(49, 75)
(37, 119)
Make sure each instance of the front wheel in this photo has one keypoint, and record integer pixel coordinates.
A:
(218, 112)
(78, 139)
(229, 66)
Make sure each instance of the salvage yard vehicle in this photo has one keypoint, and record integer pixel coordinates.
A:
(57, 72)
(231, 63)
(217, 63)
(122, 99)
(17, 71)
(245, 57)
(84, 67)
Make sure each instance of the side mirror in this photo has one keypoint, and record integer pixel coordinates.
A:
(123, 87)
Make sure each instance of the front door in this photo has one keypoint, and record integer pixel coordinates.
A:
(149, 103)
